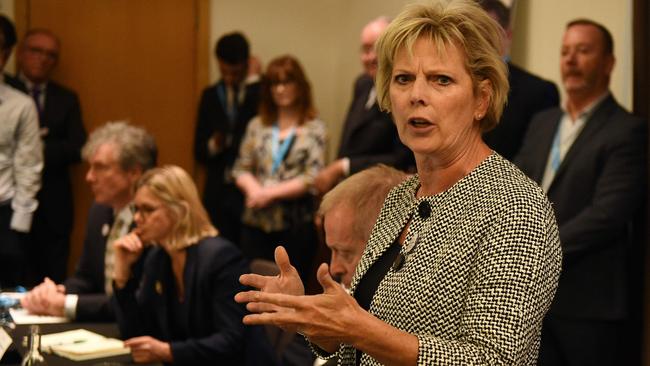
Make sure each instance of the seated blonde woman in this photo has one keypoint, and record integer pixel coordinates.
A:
(182, 310)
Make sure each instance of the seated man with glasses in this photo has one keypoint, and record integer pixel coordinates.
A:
(118, 154)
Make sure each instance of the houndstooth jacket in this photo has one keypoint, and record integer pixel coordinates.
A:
(482, 275)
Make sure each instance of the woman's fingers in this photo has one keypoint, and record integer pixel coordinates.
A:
(282, 260)
(261, 307)
(254, 280)
(287, 301)
(282, 319)
(325, 279)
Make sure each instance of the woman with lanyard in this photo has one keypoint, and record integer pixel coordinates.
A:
(280, 155)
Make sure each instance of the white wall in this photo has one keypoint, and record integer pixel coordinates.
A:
(539, 25)
(323, 35)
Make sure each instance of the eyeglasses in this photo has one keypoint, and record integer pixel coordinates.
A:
(283, 82)
(52, 55)
(145, 210)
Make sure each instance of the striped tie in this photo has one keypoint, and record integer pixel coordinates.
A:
(109, 258)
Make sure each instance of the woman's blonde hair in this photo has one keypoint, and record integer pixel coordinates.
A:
(460, 23)
(174, 187)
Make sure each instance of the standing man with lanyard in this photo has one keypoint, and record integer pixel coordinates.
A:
(590, 158)
(224, 112)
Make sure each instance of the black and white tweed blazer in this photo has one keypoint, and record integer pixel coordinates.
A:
(482, 275)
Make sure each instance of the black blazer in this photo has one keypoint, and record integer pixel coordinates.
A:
(213, 330)
(88, 279)
(212, 118)
(369, 135)
(63, 141)
(528, 95)
(598, 191)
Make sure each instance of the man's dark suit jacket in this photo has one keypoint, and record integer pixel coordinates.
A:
(528, 95)
(211, 329)
(50, 234)
(598, 191)
(88, 279)
(65, 137)
(222, 199)
(369, 135)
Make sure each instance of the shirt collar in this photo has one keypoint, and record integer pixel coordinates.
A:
(126, 213)
(30, 85)
(589, 109)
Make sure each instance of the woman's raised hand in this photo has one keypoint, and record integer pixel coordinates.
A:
(287, 282)
(127, 251)
(327, 319)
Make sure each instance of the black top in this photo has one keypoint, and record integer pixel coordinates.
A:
(179, 312)
(369, 283)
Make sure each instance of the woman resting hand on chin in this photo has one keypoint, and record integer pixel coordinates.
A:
(463, 261)
(182, 311)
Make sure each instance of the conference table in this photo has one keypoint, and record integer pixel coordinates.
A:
(14, 354)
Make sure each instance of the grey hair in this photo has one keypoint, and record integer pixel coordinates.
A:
(135, 146)
(363, 192)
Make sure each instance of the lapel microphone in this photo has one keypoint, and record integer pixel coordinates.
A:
(424, 210)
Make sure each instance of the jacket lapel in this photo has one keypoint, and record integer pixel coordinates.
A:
(189, 277)
(546, 135)
(391, 228)
(160, 291)
(597, 120)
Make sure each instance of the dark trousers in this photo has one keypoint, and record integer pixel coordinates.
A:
(299, 241)
(225, 208)
(12, 250)
(48, 249)
(578, 342)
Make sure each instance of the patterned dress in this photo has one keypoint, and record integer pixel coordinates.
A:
(304, 160)
(481, 276)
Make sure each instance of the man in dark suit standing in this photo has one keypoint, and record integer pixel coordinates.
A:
(528, 95)
(63, 135)
(117, 155)
(369, 135)
(590, 158)
(224, 112)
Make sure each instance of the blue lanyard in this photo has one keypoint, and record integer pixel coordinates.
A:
(278, 151)
(231, 110)
(556, 157)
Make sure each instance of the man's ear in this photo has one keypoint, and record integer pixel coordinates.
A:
(134, 174)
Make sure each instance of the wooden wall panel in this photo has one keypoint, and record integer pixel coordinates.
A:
(134, 60)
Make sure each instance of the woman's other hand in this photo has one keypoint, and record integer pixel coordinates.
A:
(147, 349)
(127, 251)
(327, 319)
(288, 282)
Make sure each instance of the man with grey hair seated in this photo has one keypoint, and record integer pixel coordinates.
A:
(356, 201)
(117, 154)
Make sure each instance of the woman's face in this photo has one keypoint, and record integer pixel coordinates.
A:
(433, 102)
(284, 91)
(154, 219)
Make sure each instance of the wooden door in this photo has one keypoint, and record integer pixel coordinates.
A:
(143, 60)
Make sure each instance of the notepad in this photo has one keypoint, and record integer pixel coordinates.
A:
(22, 316)
(81, 345)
